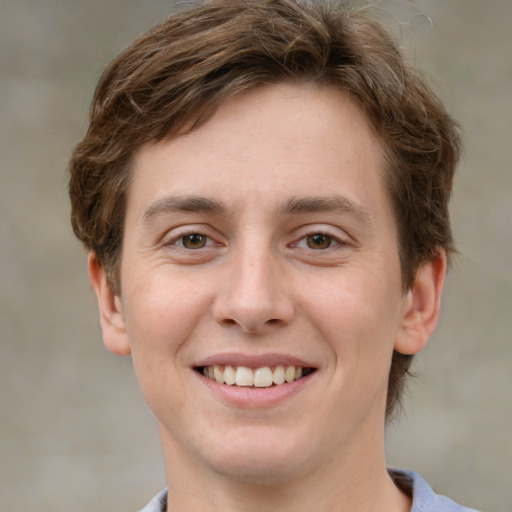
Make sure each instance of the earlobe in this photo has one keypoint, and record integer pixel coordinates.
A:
(111, 310)
(422, 306)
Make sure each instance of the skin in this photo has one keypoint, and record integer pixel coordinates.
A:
(271, 169)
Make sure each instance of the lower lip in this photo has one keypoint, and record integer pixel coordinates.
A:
(250, 397)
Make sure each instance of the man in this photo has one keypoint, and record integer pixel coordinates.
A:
(263, 190)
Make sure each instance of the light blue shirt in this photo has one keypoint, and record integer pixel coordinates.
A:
(424, 499)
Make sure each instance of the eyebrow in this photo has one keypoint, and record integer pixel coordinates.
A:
(294, 205)
(335, 203)
(183, 204)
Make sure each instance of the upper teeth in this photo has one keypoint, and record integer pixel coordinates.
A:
(262, 377)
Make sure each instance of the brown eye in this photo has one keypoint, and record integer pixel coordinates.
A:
(194, 241)
(318, 241)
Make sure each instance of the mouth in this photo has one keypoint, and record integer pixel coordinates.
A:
(262, 377)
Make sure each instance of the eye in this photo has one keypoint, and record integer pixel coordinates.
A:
(193, 241)
(317, 241)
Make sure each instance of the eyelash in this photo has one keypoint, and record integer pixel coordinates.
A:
(183, 236)
(333, 241)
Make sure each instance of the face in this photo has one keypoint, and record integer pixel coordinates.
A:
(261, 286)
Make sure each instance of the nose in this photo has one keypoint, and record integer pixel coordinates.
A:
(253, 294)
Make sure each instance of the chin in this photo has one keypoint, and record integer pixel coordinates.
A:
(258, 470)
(260, 459)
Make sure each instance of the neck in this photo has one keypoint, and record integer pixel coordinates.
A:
(357, 481)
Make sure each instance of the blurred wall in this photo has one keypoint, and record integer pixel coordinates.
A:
(74, 431)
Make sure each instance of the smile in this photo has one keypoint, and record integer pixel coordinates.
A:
(263, 377)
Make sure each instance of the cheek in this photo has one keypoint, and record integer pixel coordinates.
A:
(160, 318)
(161, 312)
(359, 315)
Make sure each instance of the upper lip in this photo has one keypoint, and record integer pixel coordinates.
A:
(253, 361)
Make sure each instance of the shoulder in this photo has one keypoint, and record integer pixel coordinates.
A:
(424, 498)
(157, 504)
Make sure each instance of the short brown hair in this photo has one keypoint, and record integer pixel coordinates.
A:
(178, 74)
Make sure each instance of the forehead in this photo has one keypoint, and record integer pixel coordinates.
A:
(270, 143)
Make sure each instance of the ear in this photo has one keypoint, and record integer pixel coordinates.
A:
(112, 320)
(422, 306)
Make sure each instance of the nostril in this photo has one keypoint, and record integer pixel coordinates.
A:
(231, 321)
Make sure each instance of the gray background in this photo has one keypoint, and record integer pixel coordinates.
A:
(75, 433)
